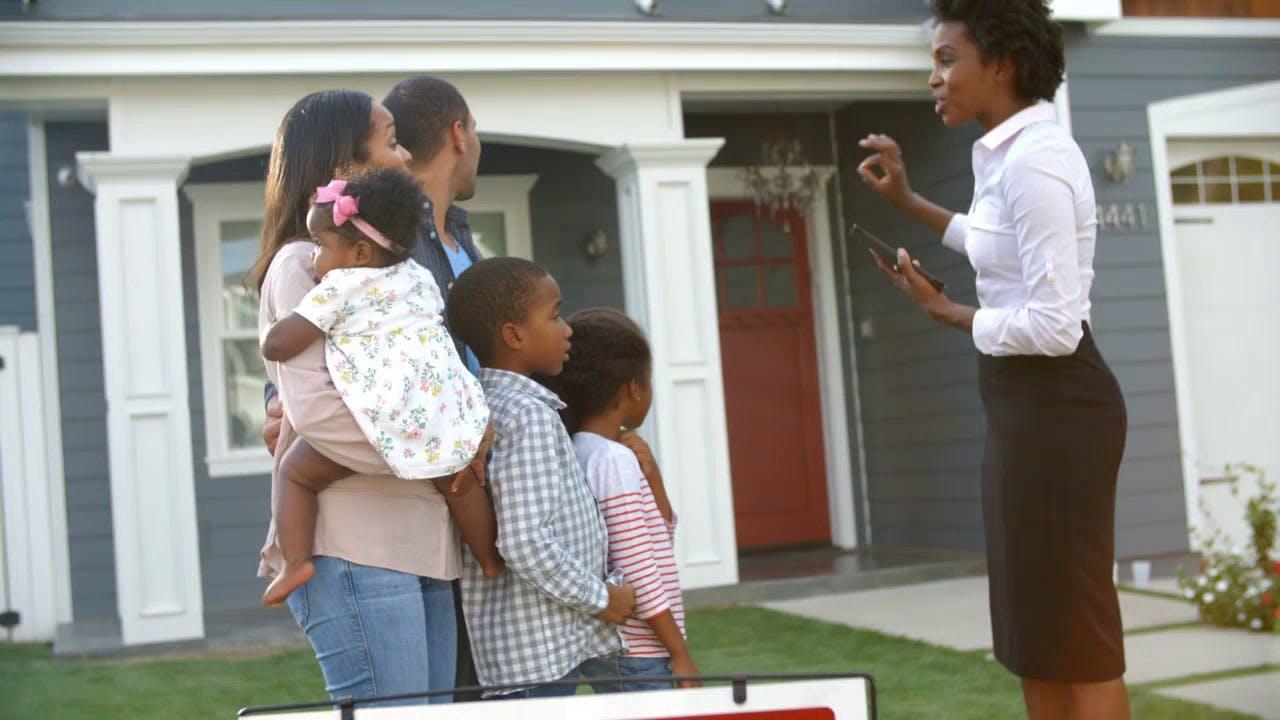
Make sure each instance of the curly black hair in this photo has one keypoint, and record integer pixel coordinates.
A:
(390, 201)
(490, 294)
(1020, 30)
(609, 350)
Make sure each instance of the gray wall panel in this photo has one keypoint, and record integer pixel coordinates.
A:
(17, 272)
(621, 10)
(571, 198)
(84, 407)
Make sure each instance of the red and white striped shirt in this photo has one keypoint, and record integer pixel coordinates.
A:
(641, 542)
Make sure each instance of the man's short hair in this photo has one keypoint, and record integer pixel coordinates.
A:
(424, 107)
(490, 294)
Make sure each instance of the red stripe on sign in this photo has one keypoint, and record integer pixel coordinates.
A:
(796, 714)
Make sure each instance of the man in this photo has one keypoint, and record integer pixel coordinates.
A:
(434, 123)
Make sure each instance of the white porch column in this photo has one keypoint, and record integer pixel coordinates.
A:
(669, 285)
(144, 358)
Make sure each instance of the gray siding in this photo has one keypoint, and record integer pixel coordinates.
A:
(685, 10)
(84, 409)
(921, 416)
(1112, 80)
(231, 512)
(17, 276)
(571, 198)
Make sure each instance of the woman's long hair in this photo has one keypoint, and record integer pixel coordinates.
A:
(322, 134)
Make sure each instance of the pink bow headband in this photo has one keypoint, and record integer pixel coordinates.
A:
(347, 207)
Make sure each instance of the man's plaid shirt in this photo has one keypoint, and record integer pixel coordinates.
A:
(537, 622)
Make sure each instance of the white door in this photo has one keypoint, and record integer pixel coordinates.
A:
(1227, 220)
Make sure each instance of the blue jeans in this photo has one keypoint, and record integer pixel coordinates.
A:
(642, 673)
(377, 631)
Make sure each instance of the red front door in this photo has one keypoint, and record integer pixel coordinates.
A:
(770, 367)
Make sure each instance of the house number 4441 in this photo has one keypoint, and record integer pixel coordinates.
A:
(1122, 216)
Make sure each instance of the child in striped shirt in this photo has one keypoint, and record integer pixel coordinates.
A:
(606, 387)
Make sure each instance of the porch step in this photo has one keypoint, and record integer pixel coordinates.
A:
(799, 574)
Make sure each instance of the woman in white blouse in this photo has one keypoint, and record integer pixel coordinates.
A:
(1055, 415)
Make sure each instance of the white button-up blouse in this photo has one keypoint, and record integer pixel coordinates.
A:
(1030, 235)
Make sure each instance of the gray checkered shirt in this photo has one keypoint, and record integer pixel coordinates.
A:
(537, 622)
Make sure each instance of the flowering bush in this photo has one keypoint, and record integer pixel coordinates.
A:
(1240, 587)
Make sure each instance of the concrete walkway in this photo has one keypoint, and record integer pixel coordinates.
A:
(1256, 694)
(954, 614)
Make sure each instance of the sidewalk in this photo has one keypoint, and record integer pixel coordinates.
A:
(1164, 644)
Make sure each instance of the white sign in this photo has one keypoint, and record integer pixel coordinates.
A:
(840, 699)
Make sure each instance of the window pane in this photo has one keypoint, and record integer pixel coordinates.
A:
(238, 248)
(1219, 167)
(738, 236)
(1186, 171)
(779, 286)
(774, 241)
(245, 376)
(1275, 189)
(740, 289)
(489, 232)
(1248, 166)
(1252, 192)
(1186, 194)
(1217, 192)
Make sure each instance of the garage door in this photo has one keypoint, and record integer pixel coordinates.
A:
(1227, 219)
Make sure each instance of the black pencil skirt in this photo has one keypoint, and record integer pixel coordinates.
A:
(1055, 436)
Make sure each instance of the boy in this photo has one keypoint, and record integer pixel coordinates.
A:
(552, 611)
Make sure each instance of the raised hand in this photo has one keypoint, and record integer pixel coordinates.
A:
(891, 179)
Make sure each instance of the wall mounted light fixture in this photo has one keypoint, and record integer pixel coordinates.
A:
(596, 245)
(647, 7)
(1119, 163)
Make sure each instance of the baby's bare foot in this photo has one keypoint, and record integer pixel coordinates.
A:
(292, 577)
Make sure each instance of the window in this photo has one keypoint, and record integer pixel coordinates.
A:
(1231, 180)
(499, 215)
(227, 222)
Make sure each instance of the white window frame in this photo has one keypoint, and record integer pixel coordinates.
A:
(509, 195)
(211, 205)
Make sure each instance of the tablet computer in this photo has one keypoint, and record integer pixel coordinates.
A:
(889, 255)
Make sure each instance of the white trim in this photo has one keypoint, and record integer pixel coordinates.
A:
(509, 195)
(1229, 113)
(43, 49)
(211, 205)
(1190, 28)
(1087, 10)
(725, 183)
(668, 282)
(144, 357)
(46, 323)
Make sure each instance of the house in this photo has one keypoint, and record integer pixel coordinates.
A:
(800, 401)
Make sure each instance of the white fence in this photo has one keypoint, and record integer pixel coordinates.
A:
(27, 584)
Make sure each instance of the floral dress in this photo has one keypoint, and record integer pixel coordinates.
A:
(396, 367)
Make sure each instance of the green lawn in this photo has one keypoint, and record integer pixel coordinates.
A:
(914, 680)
